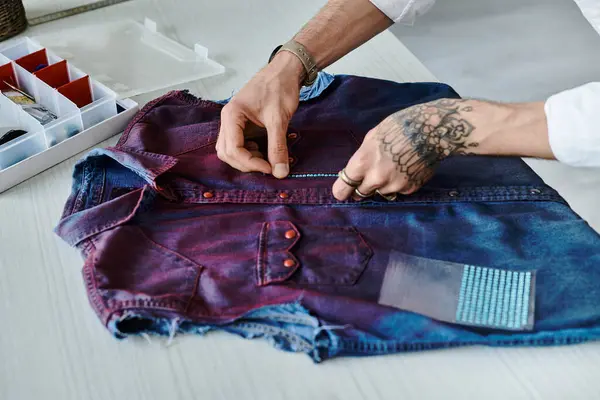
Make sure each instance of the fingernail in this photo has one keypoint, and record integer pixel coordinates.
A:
(281, 170)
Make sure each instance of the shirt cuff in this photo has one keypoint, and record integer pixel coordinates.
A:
(572, 132)
(405, 11)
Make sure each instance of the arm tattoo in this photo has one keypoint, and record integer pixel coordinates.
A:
(420, 137)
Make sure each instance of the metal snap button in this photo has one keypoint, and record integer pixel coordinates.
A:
(283, 195)
(208, 195)
(289, 263)
(290, 234)
(292, 136)
(535, 191)
(453, 193)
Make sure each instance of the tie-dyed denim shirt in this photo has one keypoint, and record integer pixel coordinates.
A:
(175, 241)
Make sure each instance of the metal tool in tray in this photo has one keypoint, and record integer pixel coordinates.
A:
(73, 11)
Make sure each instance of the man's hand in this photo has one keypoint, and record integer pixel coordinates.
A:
(268, 101)
(401, 153)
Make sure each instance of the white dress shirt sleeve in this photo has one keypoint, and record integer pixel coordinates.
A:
(404, 11)
(573, 129)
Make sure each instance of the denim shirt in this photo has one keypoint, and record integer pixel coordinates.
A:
(175, 241)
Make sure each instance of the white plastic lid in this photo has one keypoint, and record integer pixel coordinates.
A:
(131, 58)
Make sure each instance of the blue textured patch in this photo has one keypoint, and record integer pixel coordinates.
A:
(494, 298)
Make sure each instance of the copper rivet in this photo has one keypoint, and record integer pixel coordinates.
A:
(290, 234)
(289, 263)
(292, 136)
(208, 195)
(283, 195)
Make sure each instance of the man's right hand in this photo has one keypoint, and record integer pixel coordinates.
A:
(268, 101)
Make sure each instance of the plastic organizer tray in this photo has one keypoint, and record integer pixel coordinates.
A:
(78, 101)
(75, 80)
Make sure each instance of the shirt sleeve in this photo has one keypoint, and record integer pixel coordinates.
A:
(405, 11)
(572, 130)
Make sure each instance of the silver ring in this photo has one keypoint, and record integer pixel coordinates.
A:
(362, 195)
(348, 181)
(388, 197)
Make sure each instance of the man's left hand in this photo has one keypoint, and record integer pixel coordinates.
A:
(401, 153)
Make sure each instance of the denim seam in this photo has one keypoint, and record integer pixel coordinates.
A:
(269, 329)
(324, 196)
(92, 285)
(217, 122)
(366, 346)
(378, 347)
(121, 305)
(155, 172)
(194, 291)
(198, 268)
(107, 225)
(102, 192)
(168, 250)
(293, 319)
(189, 98)
(97, 191)
(70, 209)
(262, 249)
(213, 142)
(78, 203)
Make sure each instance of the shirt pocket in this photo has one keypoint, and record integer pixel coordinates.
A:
(310, 255)
(130, 269)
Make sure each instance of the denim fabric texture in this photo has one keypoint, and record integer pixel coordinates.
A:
(175, 241)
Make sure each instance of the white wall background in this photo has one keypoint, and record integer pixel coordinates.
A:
(512, 50)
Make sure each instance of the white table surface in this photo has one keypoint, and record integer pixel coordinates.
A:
(52, 345)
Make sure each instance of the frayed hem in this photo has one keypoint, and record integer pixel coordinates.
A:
(288, 327)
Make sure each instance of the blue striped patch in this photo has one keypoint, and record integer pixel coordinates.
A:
(495, 298)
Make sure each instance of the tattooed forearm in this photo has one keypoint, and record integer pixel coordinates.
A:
(419, 137)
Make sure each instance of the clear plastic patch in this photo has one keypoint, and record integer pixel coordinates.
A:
(461, 294)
